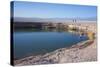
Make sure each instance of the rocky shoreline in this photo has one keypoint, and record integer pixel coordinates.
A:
(85, 51)
(81, 52)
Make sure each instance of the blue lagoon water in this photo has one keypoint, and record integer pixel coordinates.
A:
(28, 43)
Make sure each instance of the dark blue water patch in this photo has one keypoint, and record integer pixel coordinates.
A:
(35, 43)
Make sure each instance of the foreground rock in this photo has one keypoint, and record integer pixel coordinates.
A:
(76, 53)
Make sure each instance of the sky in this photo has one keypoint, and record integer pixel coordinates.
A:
(49, 10)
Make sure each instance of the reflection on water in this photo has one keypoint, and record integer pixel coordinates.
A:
(36, 41)
(39, 30)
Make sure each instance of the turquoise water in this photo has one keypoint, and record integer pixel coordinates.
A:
(28, 43)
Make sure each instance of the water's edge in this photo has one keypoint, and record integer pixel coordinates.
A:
(38, 59)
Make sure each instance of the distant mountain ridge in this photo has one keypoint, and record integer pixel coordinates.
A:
(23, 19)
